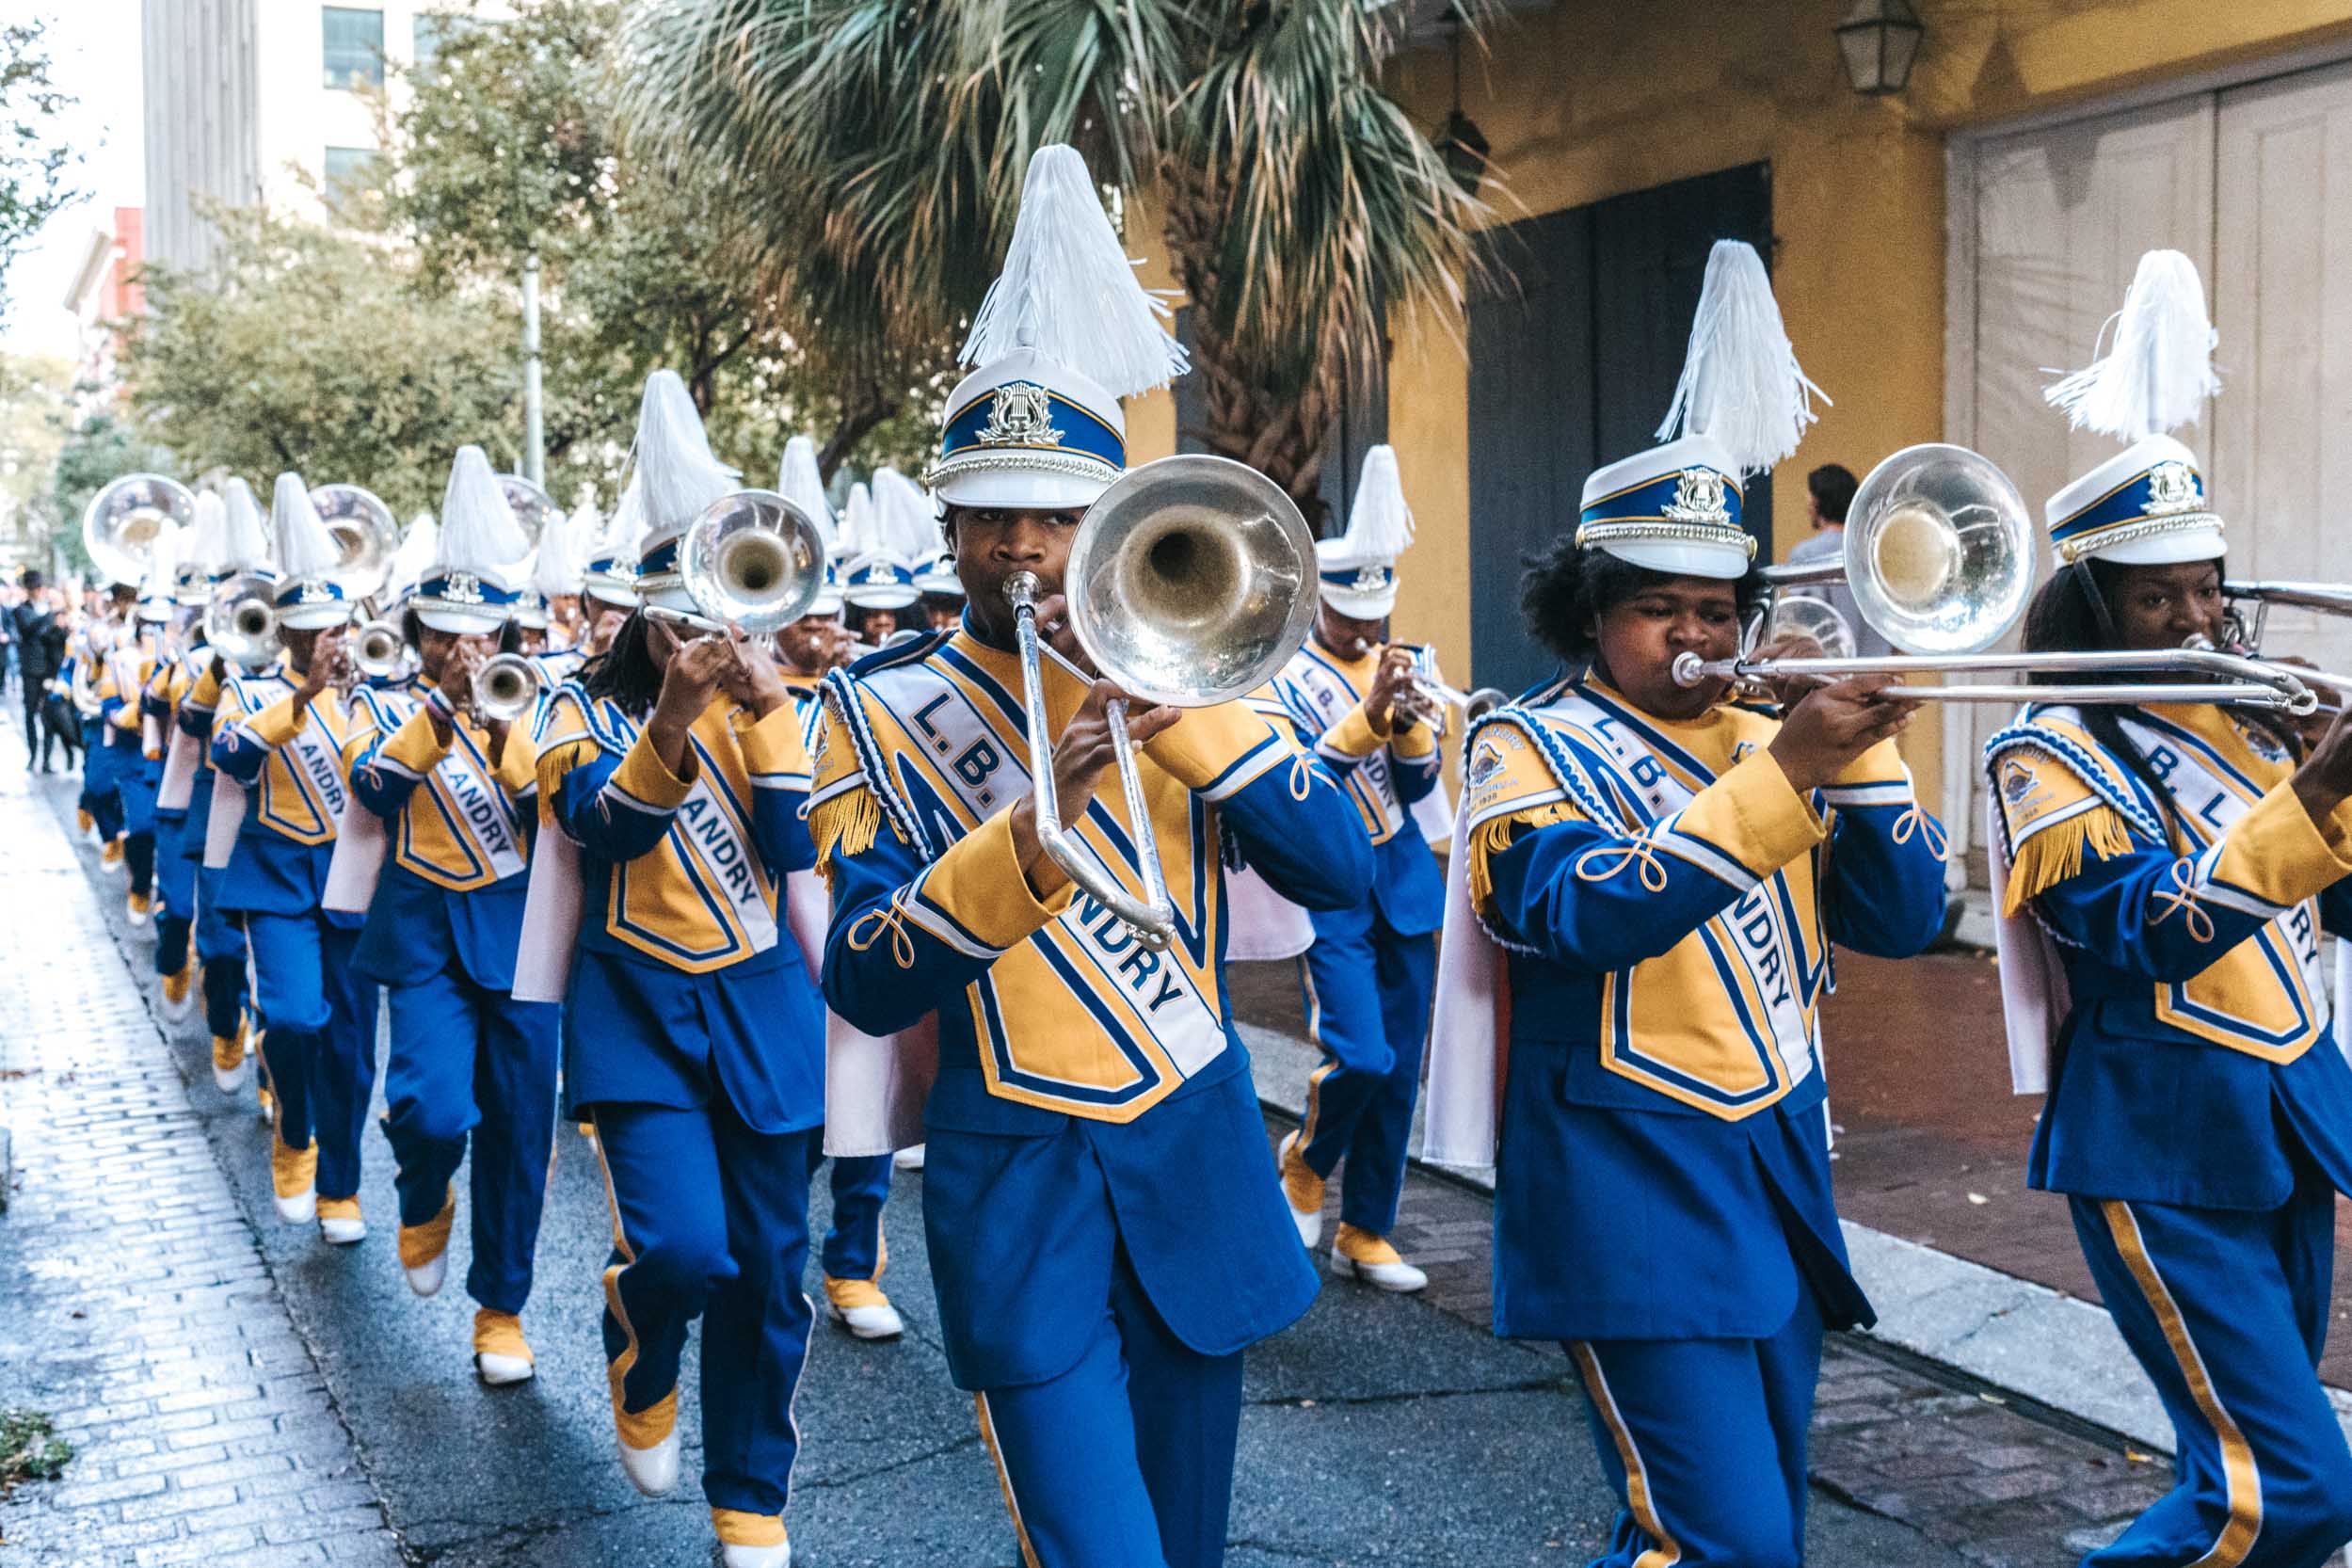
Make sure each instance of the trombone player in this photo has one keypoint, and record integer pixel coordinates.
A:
(1105, 1230)
(2169, 868)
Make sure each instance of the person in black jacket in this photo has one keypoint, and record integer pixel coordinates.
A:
(38, 659)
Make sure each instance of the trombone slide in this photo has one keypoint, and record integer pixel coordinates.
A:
(2244, 682)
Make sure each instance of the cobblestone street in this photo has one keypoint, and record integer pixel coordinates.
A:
(239, 1394)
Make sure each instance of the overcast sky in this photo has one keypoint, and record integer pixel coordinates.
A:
(94, 48)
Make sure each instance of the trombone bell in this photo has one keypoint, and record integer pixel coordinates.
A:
(753, 559)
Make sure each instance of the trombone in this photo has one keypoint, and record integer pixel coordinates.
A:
(751, 559)
(1939, 555)
(1188, 585)
(2245, 636)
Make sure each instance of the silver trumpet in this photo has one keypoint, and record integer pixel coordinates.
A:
(241, 622)
(1189, 584)
(751, 559)
(1940, 552)
(505, 688)
(380, 651)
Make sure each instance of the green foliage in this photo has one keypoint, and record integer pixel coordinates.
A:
(36, 409)
(321, 352)
(30, 1449)
(33, 185)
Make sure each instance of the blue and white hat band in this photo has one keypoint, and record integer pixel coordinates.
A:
(2166, 498)
(308, 590)
(1376, 576)
(1028, 424)
(660, 561)
(1697, 505)
(467, 590)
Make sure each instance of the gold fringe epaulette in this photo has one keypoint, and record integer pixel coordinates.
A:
(848, 822)
(2056, 852)
(1490, 839)
(555, 761)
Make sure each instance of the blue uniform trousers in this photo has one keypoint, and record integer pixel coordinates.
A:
(220, 948)
(1368, 1008)
(101, 769)
(466, 1061)
(175, 882)
(2226, 1311)
(136, 792)
(710, 1218)
(1704, 1442)
(852, 1247)
(320, 1052)
(1124, 1460)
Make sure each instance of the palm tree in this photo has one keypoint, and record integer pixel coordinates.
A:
(881, 145)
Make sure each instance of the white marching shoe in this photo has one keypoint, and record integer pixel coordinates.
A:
(652, 1471)
(338, 1221)
(1303, 1189)
(908, 1159)
(859, 1306)
(501, 1354)
(650, 1462)
(778, 1555)
(1360, 1254)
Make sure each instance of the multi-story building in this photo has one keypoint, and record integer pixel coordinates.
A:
(105, 293)
(268, 100)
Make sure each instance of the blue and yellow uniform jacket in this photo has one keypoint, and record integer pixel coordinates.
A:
(1386, 771)
(2195, 1057)
(292, 759)
(455, 871)
(1052, 1016)
(680, 877)
(1666, 904)
(122, 677)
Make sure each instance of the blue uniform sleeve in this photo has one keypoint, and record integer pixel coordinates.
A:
(1882, 890)
(617, 807)
(1594, 899)
(1298, 831)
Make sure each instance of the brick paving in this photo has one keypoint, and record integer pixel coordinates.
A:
(141, 1314)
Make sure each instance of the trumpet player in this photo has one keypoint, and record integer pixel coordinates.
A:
(2172, 867)
(469, 1067)
(1665, 871)
(1106, 1232)
(176, 957)
(691, 1037)
(1369, 976)
(280, 734)
(123, 721)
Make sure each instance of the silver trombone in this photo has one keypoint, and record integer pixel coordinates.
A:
(1939, 555)
(751, 559)
(2245, 635)
(1189, 584)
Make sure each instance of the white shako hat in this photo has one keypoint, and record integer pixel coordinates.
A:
(829, 600)
(934, 576)
(158, 595)
(553, 576)
(677, 475)
(611, 571)
(1741, 406)
(798, 481)
(2147, 505)
(245, 536)
(412, 557)
(308, 598)
(1064, 332)
(471, 586)
(206, 541)
(1358, 570)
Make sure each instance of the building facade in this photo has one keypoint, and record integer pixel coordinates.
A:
(105, 294)
(272, 102)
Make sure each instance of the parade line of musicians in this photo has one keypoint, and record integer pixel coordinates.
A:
(650, 902)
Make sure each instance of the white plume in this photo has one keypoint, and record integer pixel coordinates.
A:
(799, 482)
(208, 537)
(1379, 523)
(305, 549)
(1068, 289)
(2159, 371)
(170, 548)
(626, 528)
(905, 522)
(553, 572)
(858, 528)
(414, 554)
(678, 472)
(582, 528)
(1741, 386)
(478, 531)
(244, 539)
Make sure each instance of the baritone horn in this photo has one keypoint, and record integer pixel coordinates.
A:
(241, 622)
(1188, 585)
(752, 560)
(365, 535)
(125, 522)
(534, 509)
(1940, 552)
(505, 688)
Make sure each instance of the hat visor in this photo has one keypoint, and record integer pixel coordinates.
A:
(826, 603)
(1356, 606)
(883, 599)
(2165, 549)
(459, 622)
(1028, 489)
(666, 596)
(315, 617)
(614, 591)
(1682, 558)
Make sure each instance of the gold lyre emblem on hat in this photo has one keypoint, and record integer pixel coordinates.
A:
(2172, 488)
(461, 588)
(1020, 414)
(1699, 498)
(1371, 580)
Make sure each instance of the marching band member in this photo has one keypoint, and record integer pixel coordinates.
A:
(220, 943)
(92, 645)
(942, 591)
(1666, 871)
(538, 617)
(608, 590)
(176, 959)
(468, 1063)
(2169, 869)
(1369, 975)
(691, 1037)
(280, 733)
(1105, 1231)
(121, 692)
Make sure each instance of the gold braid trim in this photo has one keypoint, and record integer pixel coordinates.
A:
(557, 761)
(2056, 854)
(1490, 839)
(847, 823)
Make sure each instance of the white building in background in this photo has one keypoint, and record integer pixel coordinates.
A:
(267, 101)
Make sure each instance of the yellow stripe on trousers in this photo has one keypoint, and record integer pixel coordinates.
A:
(1644, 1507)
(1004, 1480)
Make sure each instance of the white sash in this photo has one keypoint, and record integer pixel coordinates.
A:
(1328, 692)
(727, 857)
(875, 1084)
(482, 811)
(313, 754)
(1465, 1032)
(358, 861)
(180, 760)
(551, 919)
(1260, 924)
(227, 815)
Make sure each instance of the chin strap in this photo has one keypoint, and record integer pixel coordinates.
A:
(2097, 600)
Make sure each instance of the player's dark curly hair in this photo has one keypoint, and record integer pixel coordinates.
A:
(1566, 587)
(626, 671)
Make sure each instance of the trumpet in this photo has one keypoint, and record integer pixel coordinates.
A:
(1189, 584)
(1939, 554)
(752, 559)
(380, 651)
(505, 688)
(241, 623)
